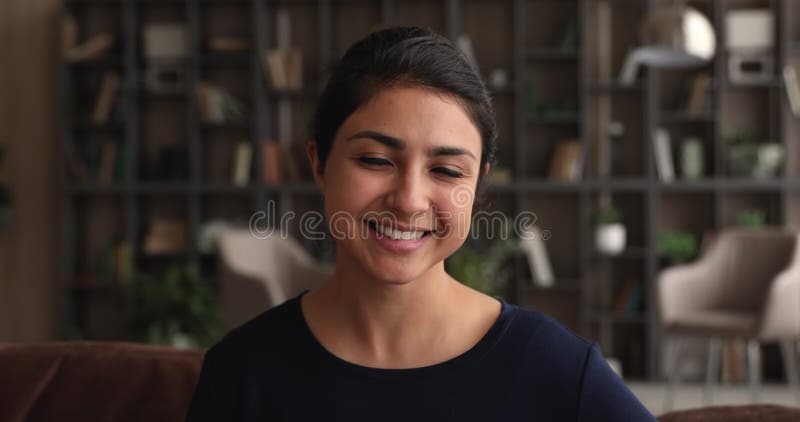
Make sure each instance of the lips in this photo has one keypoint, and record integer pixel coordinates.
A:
(397, 232)
(395, 240)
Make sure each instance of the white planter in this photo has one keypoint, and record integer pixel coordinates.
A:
(610, 239)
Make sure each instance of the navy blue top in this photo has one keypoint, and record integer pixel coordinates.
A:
(527, 367)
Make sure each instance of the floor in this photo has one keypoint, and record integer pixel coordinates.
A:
(691, 395)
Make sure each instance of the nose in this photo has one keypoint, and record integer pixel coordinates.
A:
(409, 195)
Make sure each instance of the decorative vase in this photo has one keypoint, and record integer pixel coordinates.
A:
(692, 159)
(610, 238)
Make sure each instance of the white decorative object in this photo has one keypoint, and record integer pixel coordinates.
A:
(750, 67)
(532, 243)
(663, 149)
(792, 89)
(610, 239)
(749, 30)
(164, 41)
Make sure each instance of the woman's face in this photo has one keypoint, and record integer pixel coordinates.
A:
(399, 183)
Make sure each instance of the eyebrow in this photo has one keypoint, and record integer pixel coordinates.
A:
(399, 144)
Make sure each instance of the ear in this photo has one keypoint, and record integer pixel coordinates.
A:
(317, 169)
(486, 168)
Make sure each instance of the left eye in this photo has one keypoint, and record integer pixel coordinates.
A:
(448, 172)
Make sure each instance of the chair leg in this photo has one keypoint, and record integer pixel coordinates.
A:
(672, 355)
(712, 369)
(754, 369)
(789, 354)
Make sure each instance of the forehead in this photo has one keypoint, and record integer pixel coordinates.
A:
(418, 115)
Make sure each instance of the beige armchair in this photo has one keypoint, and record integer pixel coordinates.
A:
(743, 287)
(259, 273)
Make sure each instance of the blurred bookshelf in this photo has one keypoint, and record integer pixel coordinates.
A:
(155, 154)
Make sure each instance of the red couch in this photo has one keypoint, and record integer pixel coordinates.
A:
(120, 382)
(94, 381)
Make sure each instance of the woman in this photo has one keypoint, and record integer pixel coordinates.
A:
(403, 138)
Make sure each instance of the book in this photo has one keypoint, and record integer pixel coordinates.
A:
(227, 44)
(274, 69)
(290, 170)
(732, 365)
(566, 163)
(217, 105)
(630, 69)
(104, 101)
(698, 100)
(270, 162)
(538, 259)
(293, 68)
(792, 85)
(241, 165)
(663, 152)
(283, 69)
(625, 294)
(165, 236)
(604, 41)
(92, 49)
(108, 158)
(69, 33)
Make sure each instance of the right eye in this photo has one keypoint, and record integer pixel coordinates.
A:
(374, 161)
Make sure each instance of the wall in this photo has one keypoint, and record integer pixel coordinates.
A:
(29, 131)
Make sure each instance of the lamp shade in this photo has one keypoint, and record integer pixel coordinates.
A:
(676, 36)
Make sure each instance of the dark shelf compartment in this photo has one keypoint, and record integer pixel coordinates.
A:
(614, 87)
(301, 94)
(552, 119)
(632, 252)
(560, 286)
(88, 125)
(596, 315)
(684, 117)
(540, 55)
(226, 127)
(234, 60)
(93, 3)
(774, 83)
(112, 61)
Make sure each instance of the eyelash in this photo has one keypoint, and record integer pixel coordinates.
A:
(373, 161)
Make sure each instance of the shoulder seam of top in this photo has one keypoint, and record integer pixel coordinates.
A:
(586, 361)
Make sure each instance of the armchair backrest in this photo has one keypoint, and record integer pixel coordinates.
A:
(259, 273)
(753, 257)
(735, 274)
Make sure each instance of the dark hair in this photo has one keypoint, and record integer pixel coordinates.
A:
(403, 55)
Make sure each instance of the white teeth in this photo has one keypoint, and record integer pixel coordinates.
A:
(397, 234)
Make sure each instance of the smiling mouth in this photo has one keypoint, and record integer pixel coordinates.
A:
(395, 234)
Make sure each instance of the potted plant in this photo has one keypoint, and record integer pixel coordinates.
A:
(481, 262)
(751, 218)
(676, 247)
(610, 234)
(179, 310)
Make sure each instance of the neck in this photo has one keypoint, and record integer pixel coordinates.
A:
(391, 321)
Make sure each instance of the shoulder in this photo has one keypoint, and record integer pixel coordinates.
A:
(547, 336)
(266, 334)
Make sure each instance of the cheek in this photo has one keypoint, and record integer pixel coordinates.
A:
(454, 210)
(348, 188)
